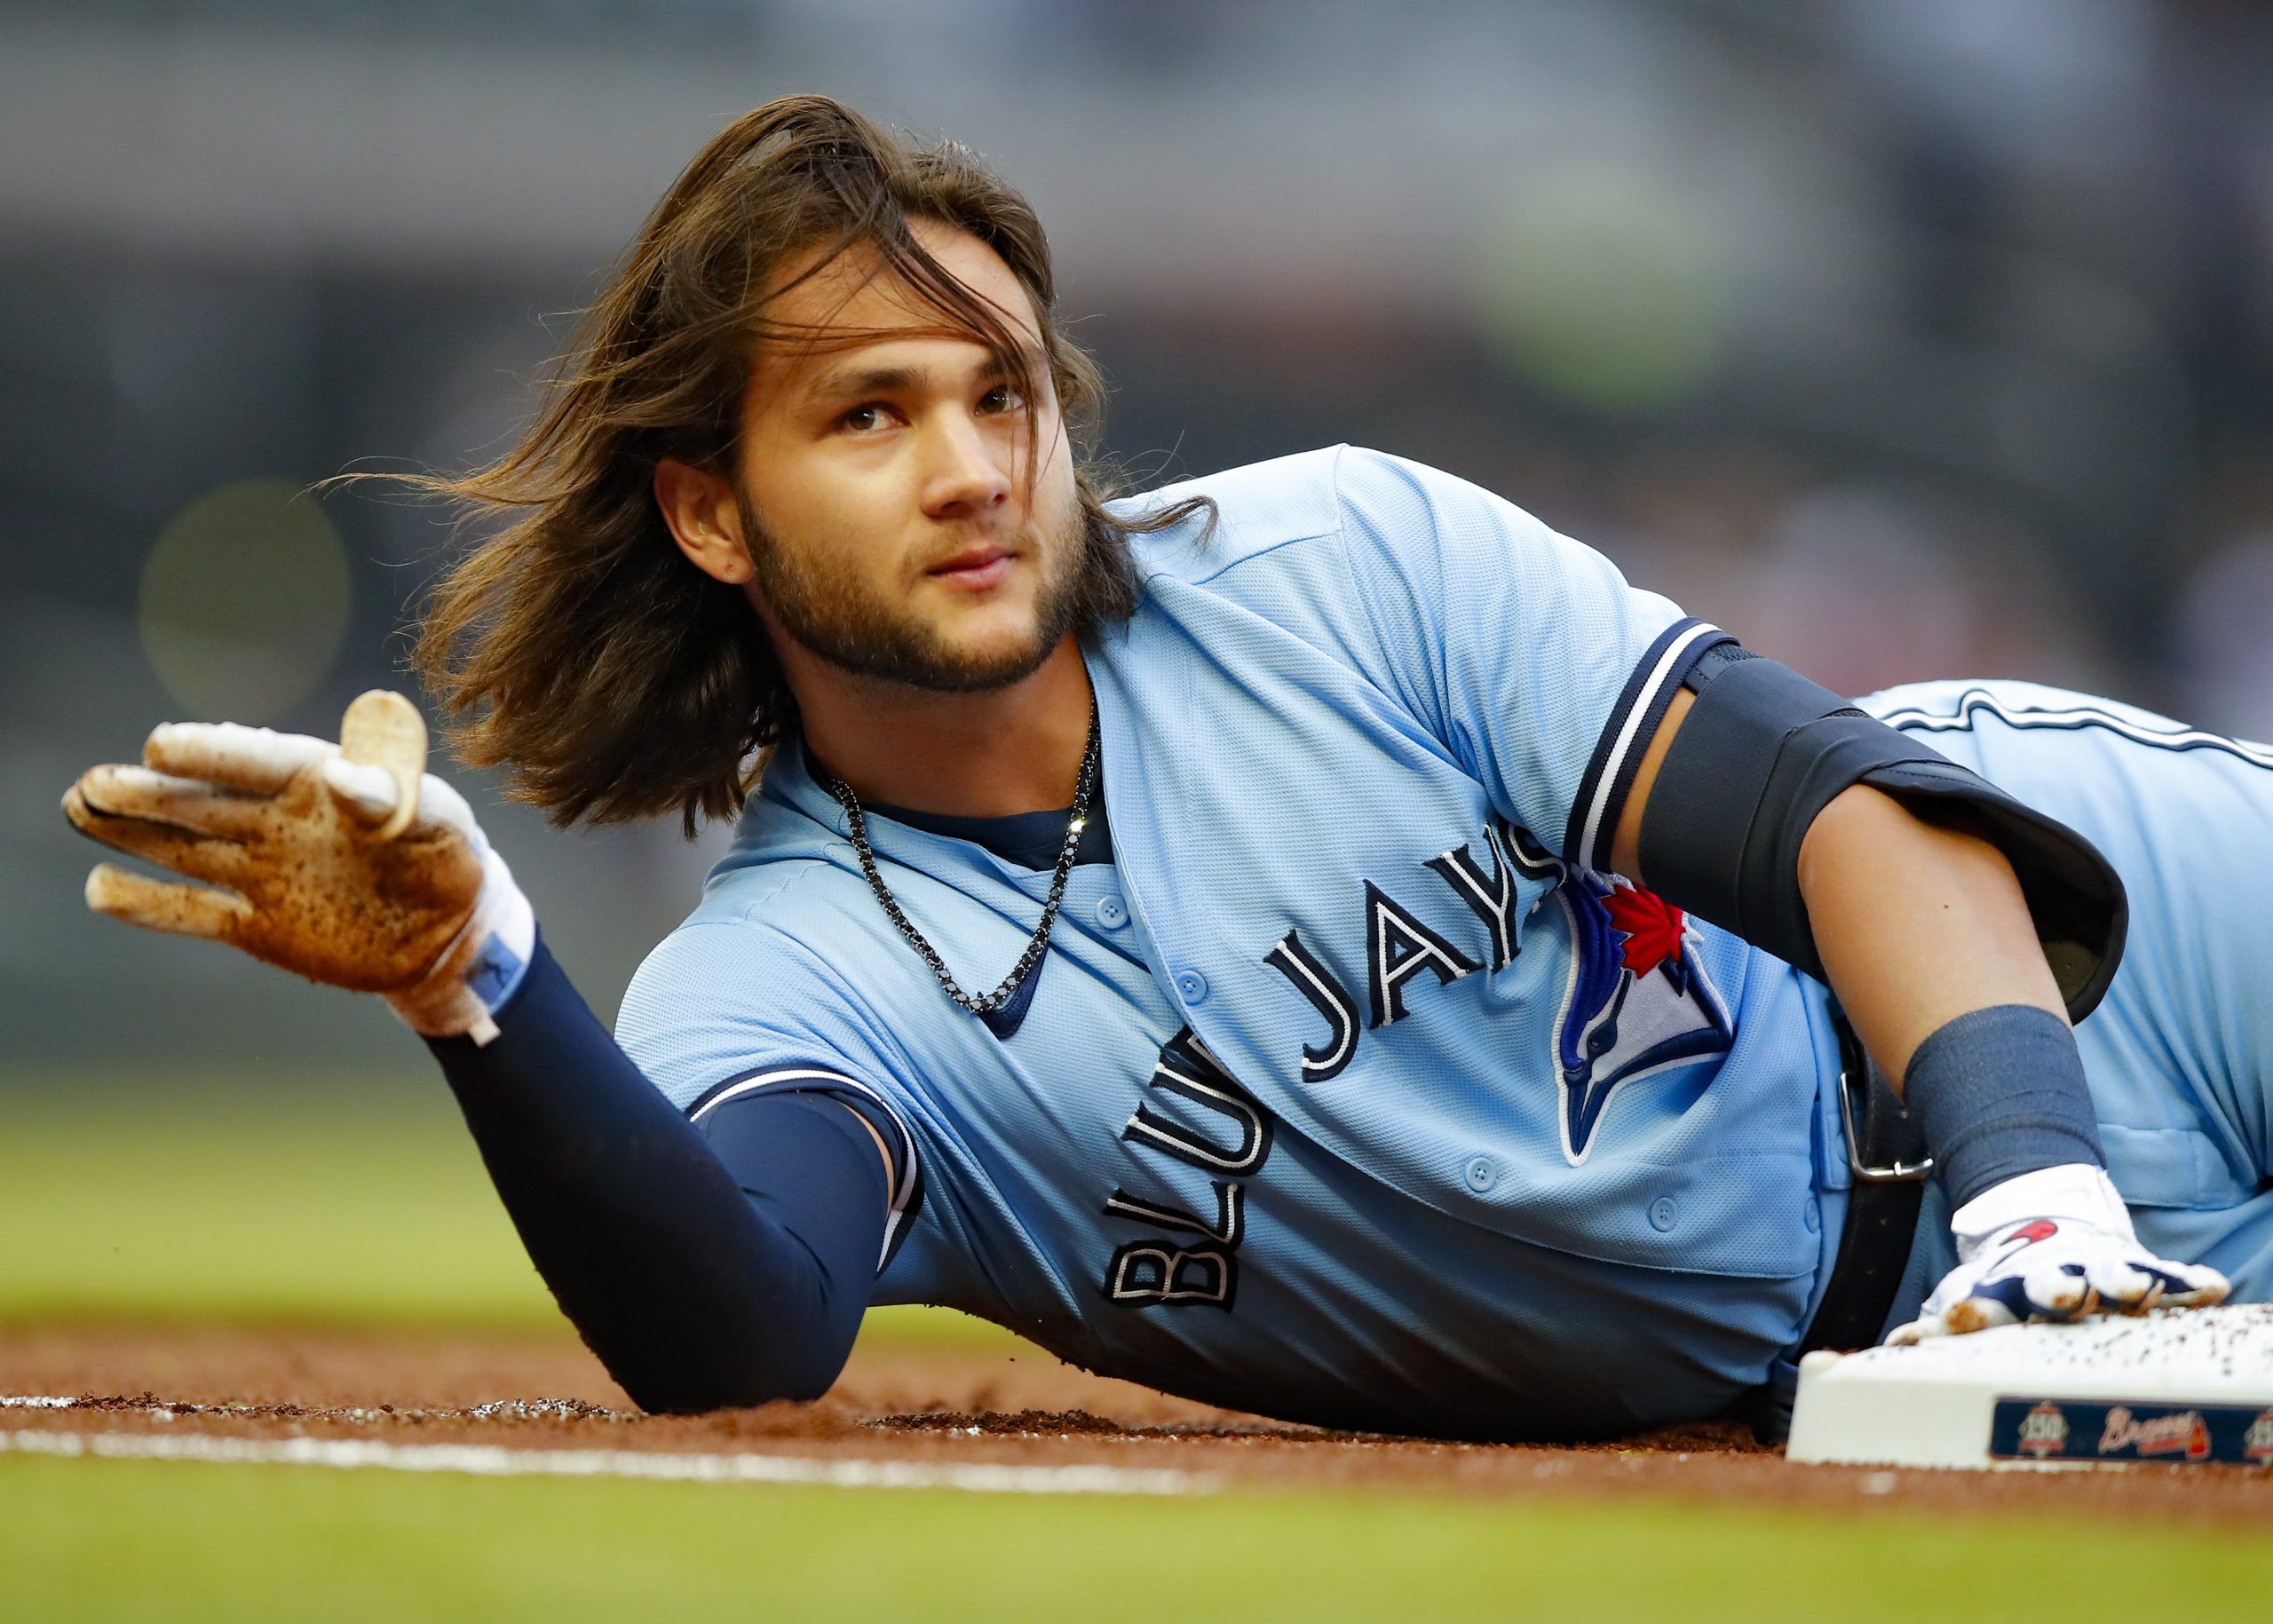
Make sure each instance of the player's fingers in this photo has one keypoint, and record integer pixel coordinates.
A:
(155, 905)
(2058, 1291)
(382, 729)
(438, 803)
(186, 802)
(1992, 1303)
(253, 759)
(198, 856)
(2192, 1285)
(2127, 1286)
(367, 792)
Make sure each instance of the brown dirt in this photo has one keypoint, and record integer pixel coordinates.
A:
(898, 1402)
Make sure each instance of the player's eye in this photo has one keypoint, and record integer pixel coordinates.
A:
(1002, 398)
(863, 418)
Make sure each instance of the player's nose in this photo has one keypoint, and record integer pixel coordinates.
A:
(968, 469)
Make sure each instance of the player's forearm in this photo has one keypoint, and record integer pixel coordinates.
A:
(694, 1291)
(1916, 924)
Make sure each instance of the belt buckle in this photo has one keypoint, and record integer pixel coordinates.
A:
(1895, 1172)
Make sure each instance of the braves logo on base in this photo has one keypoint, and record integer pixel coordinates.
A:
(2152, 1436)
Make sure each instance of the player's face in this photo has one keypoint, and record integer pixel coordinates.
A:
(884, 497)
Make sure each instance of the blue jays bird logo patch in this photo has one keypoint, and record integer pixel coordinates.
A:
(1637, 1003)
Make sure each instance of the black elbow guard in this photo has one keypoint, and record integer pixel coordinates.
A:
(1763, 751)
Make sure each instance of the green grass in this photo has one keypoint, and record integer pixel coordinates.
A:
(95, 1540)
(332, 1204)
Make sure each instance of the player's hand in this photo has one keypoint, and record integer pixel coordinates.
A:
(307, 866)
(2054, 1244)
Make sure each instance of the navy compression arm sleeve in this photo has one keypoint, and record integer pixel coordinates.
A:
(698, 1284)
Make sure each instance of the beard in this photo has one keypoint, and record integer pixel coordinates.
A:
(1084, 568)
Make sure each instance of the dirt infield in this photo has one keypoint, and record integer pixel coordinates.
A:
(949, 1406)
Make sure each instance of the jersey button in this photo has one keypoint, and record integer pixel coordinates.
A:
(1663, 1213)
(1192, 986)
(1110, 913)
(1480, 1174)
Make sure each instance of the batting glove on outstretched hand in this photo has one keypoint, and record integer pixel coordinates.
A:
(2054, 1244)
(373, 878)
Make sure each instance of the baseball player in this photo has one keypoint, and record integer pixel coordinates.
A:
(1311, 940)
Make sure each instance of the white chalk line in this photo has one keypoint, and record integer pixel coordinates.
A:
(499, 1409)
(489, 1461)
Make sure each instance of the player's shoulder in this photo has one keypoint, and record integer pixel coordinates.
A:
(1240, 513)
(768, 903)
(736, 988)
(759, 950)
(775, 904)
(1367, 499)
(705, 969)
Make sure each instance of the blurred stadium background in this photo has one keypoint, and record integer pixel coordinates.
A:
(1914, 339)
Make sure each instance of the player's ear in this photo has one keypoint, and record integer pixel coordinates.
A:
(699, 506)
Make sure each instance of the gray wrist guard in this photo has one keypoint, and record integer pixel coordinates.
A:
(1998, 1093)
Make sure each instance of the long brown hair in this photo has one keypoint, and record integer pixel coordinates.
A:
(578, 647)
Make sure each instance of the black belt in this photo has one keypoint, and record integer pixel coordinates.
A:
(1887, 1154)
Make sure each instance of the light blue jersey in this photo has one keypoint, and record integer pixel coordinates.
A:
(1353, 1091)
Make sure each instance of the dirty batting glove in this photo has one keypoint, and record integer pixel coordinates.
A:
(303, 867)
(2054, 1243)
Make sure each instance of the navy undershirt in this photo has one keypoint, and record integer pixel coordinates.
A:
(1031, 840)
(709, 1266)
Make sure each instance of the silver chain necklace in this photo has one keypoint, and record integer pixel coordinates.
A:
(987, 1003)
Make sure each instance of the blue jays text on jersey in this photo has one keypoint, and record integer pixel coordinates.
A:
(1353, 1089)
